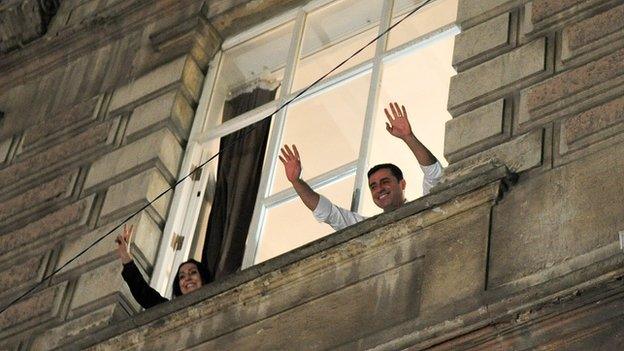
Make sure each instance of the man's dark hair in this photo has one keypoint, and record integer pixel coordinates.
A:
(396, 171)
(205, 275)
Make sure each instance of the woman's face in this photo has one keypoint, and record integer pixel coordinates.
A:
(189, 278)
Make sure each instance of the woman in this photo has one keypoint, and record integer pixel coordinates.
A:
(191, 275)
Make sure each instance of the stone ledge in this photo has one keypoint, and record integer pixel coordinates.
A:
(503, 318)
(278, 268)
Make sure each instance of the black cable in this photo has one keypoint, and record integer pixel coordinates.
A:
(44, 279)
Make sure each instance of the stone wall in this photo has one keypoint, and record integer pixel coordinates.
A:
(95, 118)
(96, 114)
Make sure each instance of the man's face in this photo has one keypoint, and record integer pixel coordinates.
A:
(386, 190)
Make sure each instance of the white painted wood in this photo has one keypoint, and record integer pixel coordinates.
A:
(275, 139)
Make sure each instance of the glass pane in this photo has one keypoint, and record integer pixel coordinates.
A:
(326, 128)
(258, 62)
(429, 18)
(420, 81)
(278, 235)
(334, 33)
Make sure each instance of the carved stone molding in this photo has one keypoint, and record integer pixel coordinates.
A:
(22, 21)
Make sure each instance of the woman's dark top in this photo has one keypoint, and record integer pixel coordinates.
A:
(144, 294)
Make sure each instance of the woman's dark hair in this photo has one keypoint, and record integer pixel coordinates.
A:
(205, 275)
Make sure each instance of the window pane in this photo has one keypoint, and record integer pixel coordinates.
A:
(420, 81)
(256, 62)
(334, 33)
(429, 18)
(326, 128)
(291, 224)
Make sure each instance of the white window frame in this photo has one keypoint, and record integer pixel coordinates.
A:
(187, 199)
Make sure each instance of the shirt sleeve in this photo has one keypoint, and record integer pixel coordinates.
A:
(432, 175)
(144, 294)
(337, 217)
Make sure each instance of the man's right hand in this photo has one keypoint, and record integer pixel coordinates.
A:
(292, 163)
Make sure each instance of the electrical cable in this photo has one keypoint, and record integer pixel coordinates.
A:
(172, 187)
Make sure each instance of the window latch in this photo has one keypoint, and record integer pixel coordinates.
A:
(176, 242)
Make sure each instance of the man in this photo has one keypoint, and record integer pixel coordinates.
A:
(385, 181)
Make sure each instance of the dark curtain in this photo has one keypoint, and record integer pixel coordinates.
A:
(238, 178)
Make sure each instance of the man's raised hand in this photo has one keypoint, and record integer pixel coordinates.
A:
(398, 125)
(292, 163)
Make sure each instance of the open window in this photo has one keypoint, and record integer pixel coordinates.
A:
(338, 125)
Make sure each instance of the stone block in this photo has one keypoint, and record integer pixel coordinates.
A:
(468, 10)
(75, 117)
(582, 36)
(135, 192)
(593, 120)
(146, 240)
(171, 109)
(473, 127)
(75, 328)
(561, 90)
(559, 221)
(455, 262)
(23, 22)
(193, 80)
(146, 237)
(481, 39)
(22, 273)
(498, 73)
(35, 198)
(519, 154)
(543, 9)
(5, 147)
(160, 147)
(151, 82)
(74, 149)
(33, 309)
(11, 345)
(98, 283)
(46, 228)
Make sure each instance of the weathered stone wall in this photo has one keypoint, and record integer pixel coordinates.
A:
(96, 114)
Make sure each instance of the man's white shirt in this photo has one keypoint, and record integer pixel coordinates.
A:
(339, 218)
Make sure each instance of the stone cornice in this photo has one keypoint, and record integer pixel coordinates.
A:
(22, 21)
(346, 245)
(113, 23)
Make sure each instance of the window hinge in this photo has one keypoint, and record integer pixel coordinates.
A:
(176, 242)
(197, 172)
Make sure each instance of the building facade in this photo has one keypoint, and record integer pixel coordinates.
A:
(104, 104)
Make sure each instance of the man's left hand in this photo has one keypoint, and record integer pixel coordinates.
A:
(398, 125)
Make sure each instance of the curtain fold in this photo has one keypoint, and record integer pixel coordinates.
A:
(238, 177)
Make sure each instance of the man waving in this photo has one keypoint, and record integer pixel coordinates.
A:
(385, 180)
